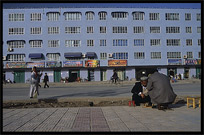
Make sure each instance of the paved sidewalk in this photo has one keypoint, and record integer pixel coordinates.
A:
(99, 119)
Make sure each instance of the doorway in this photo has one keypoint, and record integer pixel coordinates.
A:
(121, 74)
(171, 72)
(73, 75)
(186, 73)
(103, 75)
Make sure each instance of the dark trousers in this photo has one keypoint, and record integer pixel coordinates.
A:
(138, 99)
(46, 85)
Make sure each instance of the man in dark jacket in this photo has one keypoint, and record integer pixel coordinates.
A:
(115, 76)
(160, 90)
(46, 79)
(140, 92)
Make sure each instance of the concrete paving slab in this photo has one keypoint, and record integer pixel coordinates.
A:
(102, 119)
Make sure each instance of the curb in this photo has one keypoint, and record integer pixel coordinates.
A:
(77, 102)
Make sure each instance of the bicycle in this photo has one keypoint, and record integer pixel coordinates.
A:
(112, 81)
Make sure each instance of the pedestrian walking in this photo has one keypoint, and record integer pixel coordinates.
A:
(34, 82)
(46, 79)
(160, 90)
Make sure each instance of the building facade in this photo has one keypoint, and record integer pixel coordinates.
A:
(92, 42)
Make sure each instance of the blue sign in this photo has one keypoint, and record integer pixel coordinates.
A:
(73, 63)
(174, 61)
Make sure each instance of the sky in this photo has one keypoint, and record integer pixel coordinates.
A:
(109, 5)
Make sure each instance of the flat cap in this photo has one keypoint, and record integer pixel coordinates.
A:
(144, 78)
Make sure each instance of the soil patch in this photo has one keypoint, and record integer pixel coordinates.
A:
(75, 102)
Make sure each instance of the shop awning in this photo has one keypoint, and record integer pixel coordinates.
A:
(90, 54)
(35, 55)
(73, 55)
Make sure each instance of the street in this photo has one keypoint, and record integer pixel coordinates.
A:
(89, 89)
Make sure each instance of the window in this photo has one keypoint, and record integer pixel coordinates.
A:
(102, 42)
(199, 42)
(120, 55)
(138, 29)
(102, 29)
(120, 42)
(35, 43)
(90, 30)
(90, 42)
(138, 42)
(198, 16)
(16, 44)
(198, 29)
(172, 16)
(103, 56)
(119, 15)
(155, 42)
(173, 55)
(35, 17)
(73, 43)
(53, 16)
(102, 15)
(138, 15)
(189, 42)
(119, 29)
(72, 16)
(154, 16)
(35, 30)
(16, 31)
(188, 30)
(72, 30)
(154, 29)
(16, 17)
(89, 15)
(155, 55)
(190, 55)
(139, 55)
(16, 57)
(172, 29)
(53, 56)
(53, 30)
(199, 54)
(53, 43)
(173, 42)
(187, 16)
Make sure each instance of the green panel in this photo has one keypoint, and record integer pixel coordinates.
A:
(19, 77)
(57, 76)
(198, 71)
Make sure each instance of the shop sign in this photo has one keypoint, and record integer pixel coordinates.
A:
(53, 64)
(199, 61)
(92, 63)
(114, 63)
(37, 64)
(16, 65)
(174, 61)
(73, 63)
(192, 61)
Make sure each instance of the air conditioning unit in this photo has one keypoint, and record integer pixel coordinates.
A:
(83, 55)
(110, 55)
(10, 49)
(4, 57)
(185, 56)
